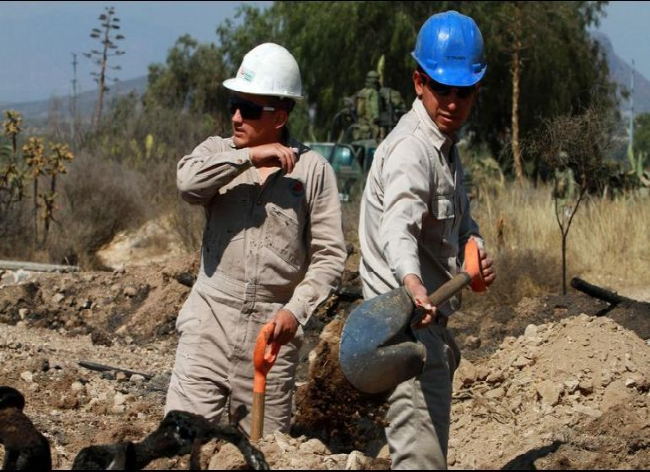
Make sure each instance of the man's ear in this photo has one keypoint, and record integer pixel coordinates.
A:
(281, 118)
(418, 83)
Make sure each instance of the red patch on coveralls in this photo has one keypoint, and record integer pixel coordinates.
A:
(297, 189)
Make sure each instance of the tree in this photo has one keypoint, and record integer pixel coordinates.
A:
(574, 147)
(190, 80)
(109, 22)
(563, 66)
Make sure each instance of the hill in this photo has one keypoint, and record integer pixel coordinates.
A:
(36, 113)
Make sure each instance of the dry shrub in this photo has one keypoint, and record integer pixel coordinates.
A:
(17, 231)
(186, 223)
(608, 242)
(98, 200)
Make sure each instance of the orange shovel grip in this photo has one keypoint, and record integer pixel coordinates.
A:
(264, 357)
(473, 266)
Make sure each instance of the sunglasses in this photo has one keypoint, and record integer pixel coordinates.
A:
(248, 109)
(445, 90)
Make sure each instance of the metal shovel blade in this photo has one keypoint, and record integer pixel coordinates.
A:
(378, 350)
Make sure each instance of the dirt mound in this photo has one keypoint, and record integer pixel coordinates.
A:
(136, 304)
(544, 386)
(556, 396)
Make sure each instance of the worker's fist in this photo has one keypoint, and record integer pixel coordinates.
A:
(487, 268)
(286, 326)
(274, 155)
(419, 294)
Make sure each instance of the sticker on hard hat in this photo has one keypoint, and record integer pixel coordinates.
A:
(456, 58)
(247, 75)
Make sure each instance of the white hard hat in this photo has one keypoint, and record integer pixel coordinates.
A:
(268, 69)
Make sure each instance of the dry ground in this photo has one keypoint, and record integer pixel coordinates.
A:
(551, 382)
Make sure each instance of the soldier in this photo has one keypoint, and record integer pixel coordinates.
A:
(368, 106)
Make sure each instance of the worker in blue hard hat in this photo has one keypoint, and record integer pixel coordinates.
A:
(415, 221)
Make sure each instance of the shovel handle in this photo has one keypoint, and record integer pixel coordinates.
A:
(257, 418)
(450, 288)
(264, 357)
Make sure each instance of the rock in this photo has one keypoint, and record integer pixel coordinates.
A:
(314, 446)
(482, 372)
(57, 298)
(586, 387)
(120, 376)
(137, 378)
(495, 393)
(496, 377)
(472, 342)
(615, 394)
(77, 386)
(585, 410)
(549, 392)
(119, 399)
(629, 366)
(571, 385)
(228, 458)
(130, 291)
(531, 331)
(522, 362)
(283, 443)
(466, 372)
(356, 461)
(23, 312)
(27, 376)
(605, 378)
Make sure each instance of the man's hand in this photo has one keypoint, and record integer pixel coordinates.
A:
(487, 268)
(274, 155)
(286, 326)
(419, 293)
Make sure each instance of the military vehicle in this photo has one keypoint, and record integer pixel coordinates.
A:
(349, 148)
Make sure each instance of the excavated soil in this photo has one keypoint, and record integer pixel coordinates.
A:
(557, 382)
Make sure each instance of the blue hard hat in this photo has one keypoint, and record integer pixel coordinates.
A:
(450, 49)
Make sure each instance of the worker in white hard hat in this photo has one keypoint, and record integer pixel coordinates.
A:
(273, 247)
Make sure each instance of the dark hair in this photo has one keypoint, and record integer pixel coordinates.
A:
(284, 103)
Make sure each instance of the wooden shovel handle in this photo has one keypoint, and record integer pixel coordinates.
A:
(257, 419)
(450, 288)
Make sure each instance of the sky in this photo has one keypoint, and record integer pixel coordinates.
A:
(37, 39)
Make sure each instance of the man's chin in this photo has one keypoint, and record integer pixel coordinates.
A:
(240, 141)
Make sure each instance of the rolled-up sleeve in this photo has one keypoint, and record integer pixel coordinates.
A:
(407, 177)
(327, 251)
(213, 164)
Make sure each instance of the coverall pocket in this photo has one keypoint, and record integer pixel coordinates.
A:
(284, 238)
(443, 212)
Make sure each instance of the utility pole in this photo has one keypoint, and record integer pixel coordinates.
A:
(631, 145)
(74, 96)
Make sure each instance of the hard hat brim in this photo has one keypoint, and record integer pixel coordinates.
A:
(244, 86)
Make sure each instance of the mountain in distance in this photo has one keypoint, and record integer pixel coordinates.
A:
(621, 73)
(36, 113)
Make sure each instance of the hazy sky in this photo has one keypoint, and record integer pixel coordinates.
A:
(37, 39)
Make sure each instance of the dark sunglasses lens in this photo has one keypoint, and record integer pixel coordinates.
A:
(248, 110)
(445, 90)
(464, 92)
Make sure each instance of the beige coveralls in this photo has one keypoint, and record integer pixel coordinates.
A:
(265, 247)
(415, 219)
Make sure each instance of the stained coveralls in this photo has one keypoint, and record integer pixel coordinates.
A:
(415, 219)
(265, 247)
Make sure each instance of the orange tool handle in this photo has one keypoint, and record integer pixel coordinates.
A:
(264, 357)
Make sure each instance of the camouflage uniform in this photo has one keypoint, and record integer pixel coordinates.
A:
(368, 106)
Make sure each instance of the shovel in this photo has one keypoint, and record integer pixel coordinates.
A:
(264, 357)
(378, 349)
